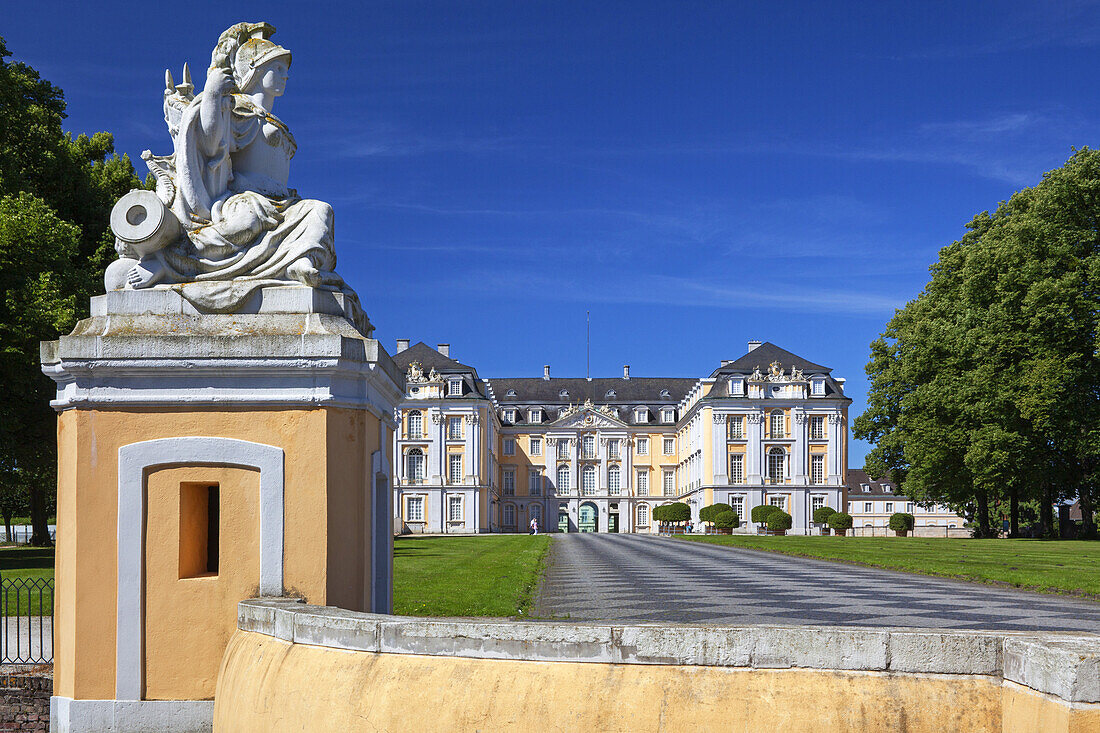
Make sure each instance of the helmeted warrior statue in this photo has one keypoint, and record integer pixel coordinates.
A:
(223, 221)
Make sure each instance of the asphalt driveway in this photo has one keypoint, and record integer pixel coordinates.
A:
(634, 578)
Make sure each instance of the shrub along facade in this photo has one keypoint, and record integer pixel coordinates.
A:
(598, 455)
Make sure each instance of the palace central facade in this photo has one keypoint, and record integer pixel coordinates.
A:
(597, 455)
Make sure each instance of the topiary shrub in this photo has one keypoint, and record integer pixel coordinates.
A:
(658, 514)
(841, 522)
(677, 512)
(822, 514)
(901, 523)
(709, 513)
(760, 513)
(727, 520)
(779, 521)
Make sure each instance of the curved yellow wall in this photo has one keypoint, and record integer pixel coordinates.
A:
(267, 684)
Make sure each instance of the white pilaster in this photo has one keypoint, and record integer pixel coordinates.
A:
(754, 447)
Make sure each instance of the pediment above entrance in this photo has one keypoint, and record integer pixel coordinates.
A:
(589, 418)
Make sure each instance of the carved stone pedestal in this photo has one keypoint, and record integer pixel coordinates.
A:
(205, 458)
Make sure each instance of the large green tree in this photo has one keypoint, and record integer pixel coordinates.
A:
(985, 389)
(56, 194)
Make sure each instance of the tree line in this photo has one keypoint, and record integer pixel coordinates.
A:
(56, 194)
(985, 389)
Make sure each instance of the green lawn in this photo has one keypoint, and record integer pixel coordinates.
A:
(1045, 565)
(487, 575)
(29, 564)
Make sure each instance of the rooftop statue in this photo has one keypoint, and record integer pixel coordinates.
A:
(223, 220)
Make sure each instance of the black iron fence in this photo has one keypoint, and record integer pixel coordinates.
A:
(26, 611)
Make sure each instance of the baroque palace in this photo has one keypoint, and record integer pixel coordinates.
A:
(596, 455)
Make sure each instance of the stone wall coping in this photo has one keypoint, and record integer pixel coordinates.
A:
(1066, 665)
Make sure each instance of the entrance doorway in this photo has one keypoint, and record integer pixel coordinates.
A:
(588, 517)
(612, 522)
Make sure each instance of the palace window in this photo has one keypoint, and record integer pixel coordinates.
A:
(664, 394)
(614, 482)
(643, 515)
(817, 468)
(610, 394)
(509, 416)
(737, 468)
(509, 446)
(534, 512)
(779, 501)
(641, 415)
(777, 465)
(534, 416)
(817, 427)
(867, 507)
(778, 424)
(588, 481)
(454, 508)
(613, 449)
(563, 479)
(909, 508)
(668, 483)
(414, 509)
(510, 515)
(889, 507)
(536, 446)
(817, 387)
(416, 425)
(643, 446)
(816, 502)
(737, 427)
(668, 446)
(454, 428)
(737, 386)
(414, 466)
(534, 482)
(508, 481)
(454, 464)
(588, 446)
(454, 387)
(738, 504)
(563, 448)
(564, 394)
(866, 488)
(668, 414)
(642, 482)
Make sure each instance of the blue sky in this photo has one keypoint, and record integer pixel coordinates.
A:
(694, 174)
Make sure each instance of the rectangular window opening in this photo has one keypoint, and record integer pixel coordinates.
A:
(200, 520)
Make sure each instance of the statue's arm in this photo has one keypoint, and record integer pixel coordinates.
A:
(213, 108)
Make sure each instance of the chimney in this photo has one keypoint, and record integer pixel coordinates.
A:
(727, 362)
(402, 344)
(444, 349)
(753, 345)
(546, 371)
(626, 371)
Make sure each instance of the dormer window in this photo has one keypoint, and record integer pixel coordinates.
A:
(510, 393)
(564, 394)
(866, 488)
(641, 415)
(610, 394)
(668, 414)
(737, 386)
(886, 488)
(817, 386)
(534, 416)
(454, 387)
(509, 416)
(664, 394)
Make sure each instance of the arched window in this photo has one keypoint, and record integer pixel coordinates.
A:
(588, 480)
(563, 479)
(643, 515)
(564, 394)
(510, 515)
(779, 424)
(414, 466)
(416, 425)
(610, 394)
(614, 483)
(777, 464)
(534, 511)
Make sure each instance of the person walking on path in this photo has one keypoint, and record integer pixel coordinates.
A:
(534, 525)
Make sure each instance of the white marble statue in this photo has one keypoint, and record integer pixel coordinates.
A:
(224, 221)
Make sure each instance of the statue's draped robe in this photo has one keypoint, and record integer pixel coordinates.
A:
(241, 234)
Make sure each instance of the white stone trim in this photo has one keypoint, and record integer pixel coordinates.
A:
(131, 716)
(134, 461)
